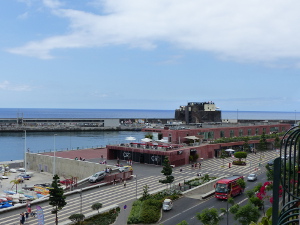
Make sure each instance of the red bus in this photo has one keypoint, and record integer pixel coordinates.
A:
(228, 187)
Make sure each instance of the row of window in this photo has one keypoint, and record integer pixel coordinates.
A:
(232, 133)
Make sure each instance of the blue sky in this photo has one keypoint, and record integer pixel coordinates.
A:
(150, 54)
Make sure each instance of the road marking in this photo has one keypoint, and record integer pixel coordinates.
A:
(184, 211)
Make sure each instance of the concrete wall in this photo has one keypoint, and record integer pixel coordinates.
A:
(111, 122)
(202, 190)
(65, 168)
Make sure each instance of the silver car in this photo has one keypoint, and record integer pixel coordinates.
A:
(252, 177)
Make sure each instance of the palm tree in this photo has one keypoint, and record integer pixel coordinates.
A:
(15, 182)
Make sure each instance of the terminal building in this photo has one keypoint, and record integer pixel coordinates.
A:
(180, 144)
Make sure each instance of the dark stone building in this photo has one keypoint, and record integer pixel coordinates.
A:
(198, 112)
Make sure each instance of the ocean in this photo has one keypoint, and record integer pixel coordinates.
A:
(12, 145)
(135, 113)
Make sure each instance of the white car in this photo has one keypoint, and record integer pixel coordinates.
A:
(125, 168)
(252, 177)
(3, 177)
(167, 204)
(12, 170)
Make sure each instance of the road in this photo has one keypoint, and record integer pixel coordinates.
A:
(187, 208)
(147, 175)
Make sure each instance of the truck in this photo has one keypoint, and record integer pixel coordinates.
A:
(228, 187)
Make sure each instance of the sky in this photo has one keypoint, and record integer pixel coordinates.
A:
(150, 54)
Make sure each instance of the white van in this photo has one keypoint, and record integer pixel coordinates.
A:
(97, 177)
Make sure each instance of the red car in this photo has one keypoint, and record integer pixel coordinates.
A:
(66, 182)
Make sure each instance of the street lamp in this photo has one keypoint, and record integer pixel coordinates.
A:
(54, 158)
(80, 193)
(135, 185)
(25, 160)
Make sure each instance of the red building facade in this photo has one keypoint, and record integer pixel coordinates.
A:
(178, 152)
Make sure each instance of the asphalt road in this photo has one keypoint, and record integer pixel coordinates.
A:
(187, 208)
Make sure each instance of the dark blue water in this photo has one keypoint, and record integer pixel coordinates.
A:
(84, 113)
(12, 145)
(134, 113)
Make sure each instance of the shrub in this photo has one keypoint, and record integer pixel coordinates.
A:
(76, 217)
(134, 216)
(97, 206)
(239, 163)
(103, 218)
(150, 212)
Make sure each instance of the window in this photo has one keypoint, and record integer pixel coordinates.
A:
(264, 130)
(274, 129)
(241, 132)
(256, 131)
(211, 135)
(249, 132)
(222, 134)
(232, 133)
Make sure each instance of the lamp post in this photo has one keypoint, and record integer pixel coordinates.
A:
(227, 204)
(25, 159)
(54, 158)
(80, 193)
(135, 185)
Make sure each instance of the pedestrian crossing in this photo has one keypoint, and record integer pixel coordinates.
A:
(118, 194)
(218, 167)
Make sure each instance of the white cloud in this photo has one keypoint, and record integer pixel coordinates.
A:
(27, 2)
(52, 3)
(23, 16)
(240, 30)
(7, 86)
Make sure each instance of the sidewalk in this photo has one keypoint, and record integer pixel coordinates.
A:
(124, 213)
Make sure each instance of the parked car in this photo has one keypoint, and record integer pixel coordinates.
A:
(97, 177)
(25, 176)
(21, 170)
(66, 182)
(125, 168)
(252, 177)
(12, 170)
(3, 177)
(167, 204)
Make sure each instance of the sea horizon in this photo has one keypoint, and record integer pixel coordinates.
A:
(136, 113)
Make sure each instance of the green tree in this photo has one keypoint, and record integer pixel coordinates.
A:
(97, 206)
(277, 142)
(209, 216)
(241, 183)
(76, 218)
(246, 214)
(146, 194)
(15, 182)
(57, 199)
(167, 172)
(240, 155)
(223, 155)
(246, 145)
(262, 145)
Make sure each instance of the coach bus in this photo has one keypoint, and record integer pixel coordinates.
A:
(228, 187)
